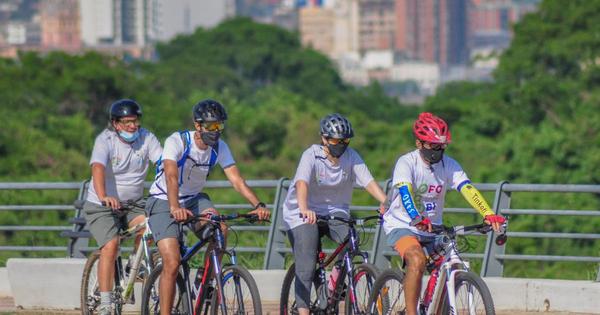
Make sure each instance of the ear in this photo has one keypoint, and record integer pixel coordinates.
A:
(323, 141)
(197, 126)
(418, 144)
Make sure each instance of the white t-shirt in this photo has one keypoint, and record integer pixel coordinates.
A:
(329, 186)
(429, 184)
(194, 175)
(126, 165)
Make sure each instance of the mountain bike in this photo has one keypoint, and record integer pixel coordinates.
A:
(452, 288)
(354, 281)
(138, 266)
(216, 288)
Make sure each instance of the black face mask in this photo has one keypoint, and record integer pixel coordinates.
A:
(432, 156)
(336, 150)
(210, 138)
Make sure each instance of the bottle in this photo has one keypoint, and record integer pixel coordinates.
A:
(333, 277)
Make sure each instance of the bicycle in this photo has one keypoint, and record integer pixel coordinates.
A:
(139, 265)
(221, 292)
(360, 276)
(452, 288)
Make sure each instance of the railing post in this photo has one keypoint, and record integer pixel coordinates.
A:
(379, 243)
(74, 249)
(273, 258)
(492, 267)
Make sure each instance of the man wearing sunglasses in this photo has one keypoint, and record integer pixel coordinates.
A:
(176, 193)
(120, 161)
(323, 185)
(420, 180)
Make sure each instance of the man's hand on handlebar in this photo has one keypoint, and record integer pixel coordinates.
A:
(262, 213)
(111, 202)
(495, 221)
(181, 214)
(422, 224)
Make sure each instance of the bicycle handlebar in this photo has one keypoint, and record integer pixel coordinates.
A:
(351, 220)
(482, 228)
(217, 218)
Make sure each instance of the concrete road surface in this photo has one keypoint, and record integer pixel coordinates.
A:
(7, 307)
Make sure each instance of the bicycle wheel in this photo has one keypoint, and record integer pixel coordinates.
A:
(364, 279)
(240, 293)
(287, 302)
(151, 300)
(472, 296)
(387, 296)
(90, 293)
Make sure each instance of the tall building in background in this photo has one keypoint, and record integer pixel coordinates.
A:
(59, 25)
(317, 28)
(184, 16)
(434, 31)
(377, 25)
(117, 22)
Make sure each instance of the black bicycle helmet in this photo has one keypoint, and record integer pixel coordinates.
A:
(124, 107)
(336, 126)
(209, 110)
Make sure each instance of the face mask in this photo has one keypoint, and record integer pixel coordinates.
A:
(336, 150)
(210, 138)
(432, 156)
(129, 136)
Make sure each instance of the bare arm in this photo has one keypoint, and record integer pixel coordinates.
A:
(239, 184)
(99, 177)
(171, 176)
(377, 193)
(302, 195)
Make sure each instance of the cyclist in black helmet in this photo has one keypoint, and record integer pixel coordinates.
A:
(323, 185)
(176, 193)
(119, 166)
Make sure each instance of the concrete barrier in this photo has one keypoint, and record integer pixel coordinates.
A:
(54, 284)
(4, 283)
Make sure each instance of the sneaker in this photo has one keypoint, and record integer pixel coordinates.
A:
(105, 309)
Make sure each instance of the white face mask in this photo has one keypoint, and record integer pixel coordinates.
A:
(129, 136)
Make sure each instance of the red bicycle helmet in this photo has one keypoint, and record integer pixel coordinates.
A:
(430, 128)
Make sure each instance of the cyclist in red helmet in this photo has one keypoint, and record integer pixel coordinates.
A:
(420, 179)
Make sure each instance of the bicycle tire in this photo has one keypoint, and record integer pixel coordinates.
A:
(369, 273)
(287, 301)
(230, 293)
(150, 295)
(474, 281)
(89, 271)
(387, 294)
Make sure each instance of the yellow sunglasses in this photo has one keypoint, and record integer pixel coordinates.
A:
(213, 125)
(334, 141)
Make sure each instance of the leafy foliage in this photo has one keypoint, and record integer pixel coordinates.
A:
(538, 122)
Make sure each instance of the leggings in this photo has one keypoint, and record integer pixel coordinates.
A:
(305, 243)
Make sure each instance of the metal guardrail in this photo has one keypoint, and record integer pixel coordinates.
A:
(276, 248)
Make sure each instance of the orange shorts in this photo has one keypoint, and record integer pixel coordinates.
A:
(404, 243)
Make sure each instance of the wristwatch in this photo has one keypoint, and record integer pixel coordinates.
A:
(260, 204)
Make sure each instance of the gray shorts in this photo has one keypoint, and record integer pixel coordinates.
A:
(103, 223)
(159, 215)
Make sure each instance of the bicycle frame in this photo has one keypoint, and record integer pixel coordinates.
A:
(448, 270)
(143, 250)
(213, 262)
(351, 249)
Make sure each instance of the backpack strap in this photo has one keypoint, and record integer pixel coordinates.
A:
(185, 138)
